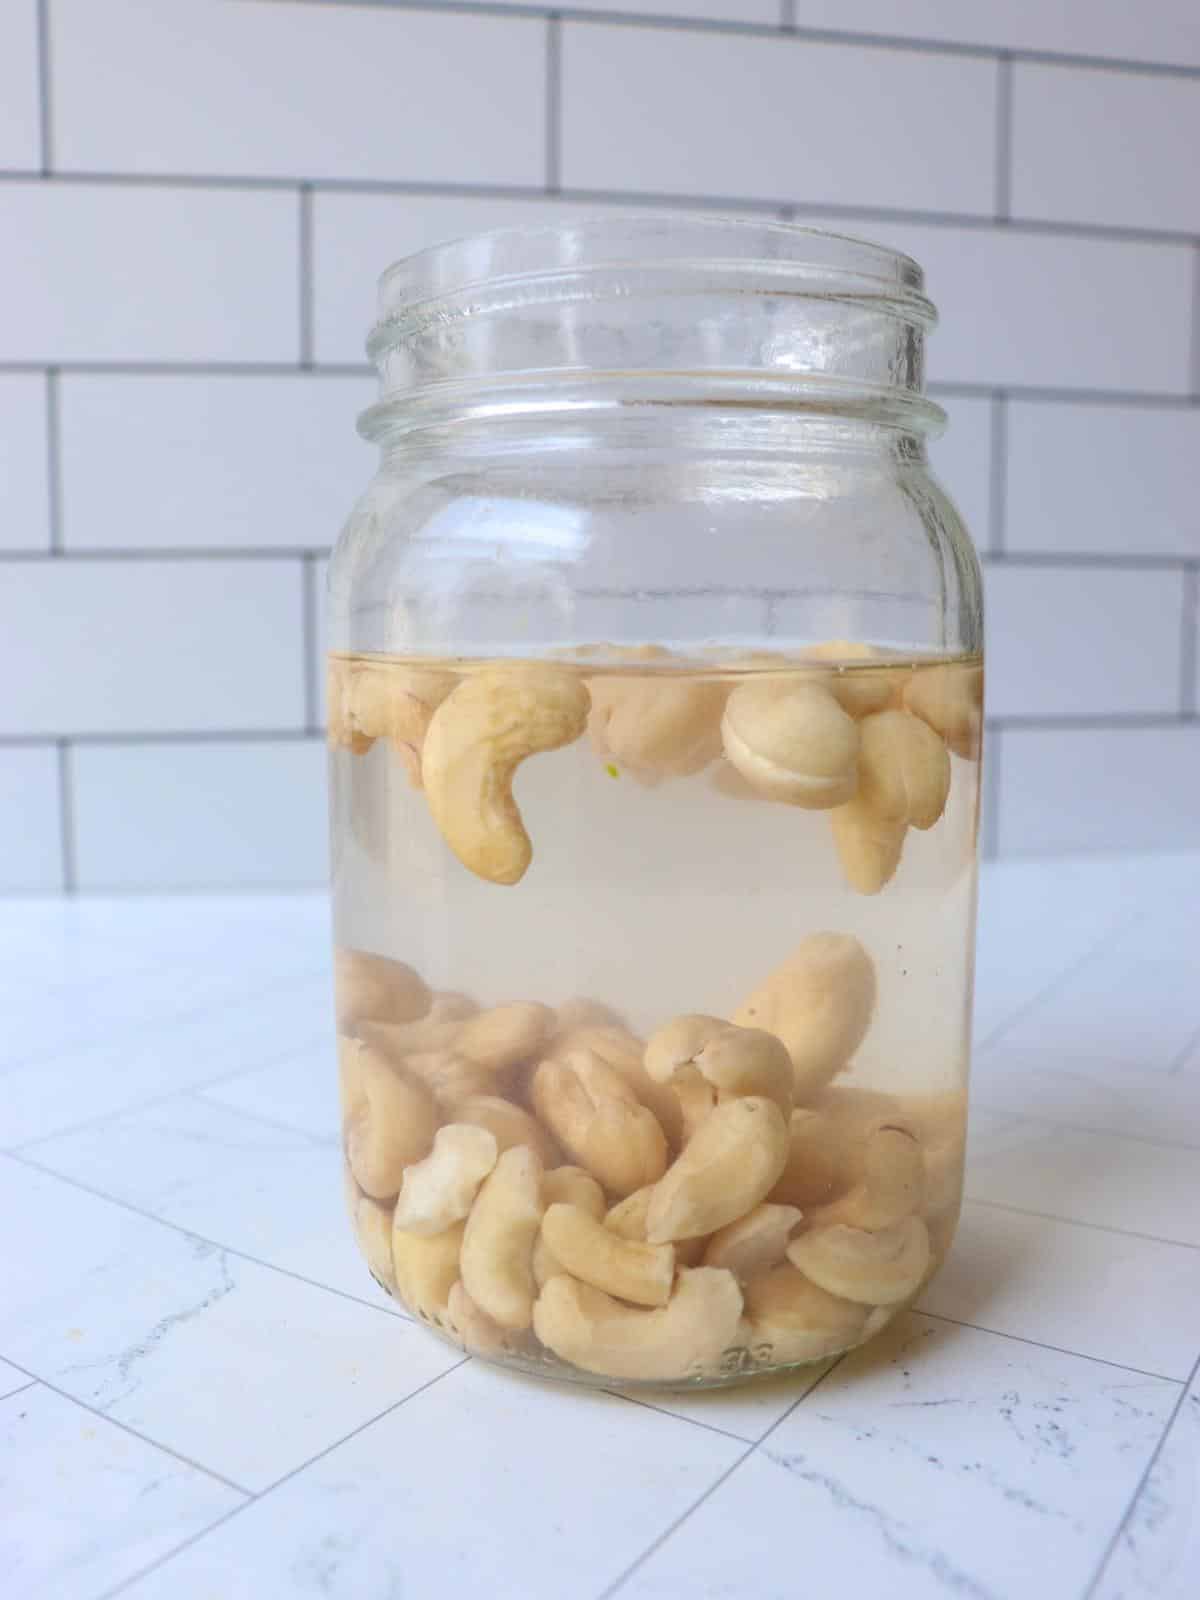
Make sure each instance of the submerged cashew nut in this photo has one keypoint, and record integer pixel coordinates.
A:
(684, 1338)
(857, 692)
(819, 1002)
(731, 1163)
(565, 1186)
(438, 1191)
(622, 1051)
(448, 1077)
(342, 731)
(812, 1174)
(753, 1243)
(395, 701)
(426, 1270)
(792, 1319)
(598, 1119)
(627, 1220)
(891, 1188)
(388, 1120)
(372, 1224)
(903, 769)
(497, 1248)
(641, 1273)
(582, 1013)
(376, 988)
(950, 699)
(869, 846)
(504, 1036)
(872, 1269)
(399, 1040)
(477, 738)
(658, 727)
(509, 1124)
(792, 741)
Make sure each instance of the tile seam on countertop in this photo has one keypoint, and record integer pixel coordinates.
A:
(982, 1103)
(136, 1577)
(1180, 1058)
(1079, 1222)
(96, 1411)
(663, 1411)
(267, 1121)
(1041, 1344)
(623, 1578)
(1111, 1546)
(22, 1388)
(201, 1238)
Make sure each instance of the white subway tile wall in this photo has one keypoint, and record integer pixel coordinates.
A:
(196, 199)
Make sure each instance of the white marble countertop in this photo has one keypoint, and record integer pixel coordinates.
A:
(203, 1395)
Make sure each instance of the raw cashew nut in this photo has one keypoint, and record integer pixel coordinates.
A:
(474, 1329)
(891, 1188)
(622, 1051)
(819, 1002)
(950, 699)
(869, 846)
(509, 1125)
(394, 701)
(731, 1163)
(449, 1078)
(376, 988)
(627, 1220)
(792, 741)
(792, 1319)
(505, 1036)
(685, 1338)
(497, 1248)
(372, 1224)
(399, 1040)
(903, 769)
(565, 1186)
(439, 1191)
(477, 738)
(426, 1270)
(388, 1120)
(342, 732)
(734, 1060)
(813, 1174)
(582, 1013)
(641, 1273)
(657, 726)
(597, 1118)
(753, 1243)
(872, 1269)
(857, 692)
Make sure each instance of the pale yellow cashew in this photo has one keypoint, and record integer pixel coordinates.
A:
(497, 1249)
(729, 1166)
(342, 732)
(376, 988)
(869, 846)
(372, 1224)
(813, 1173)
(755, 1242)
(388, 1119)
(903, 769)
(426, 1270)
(399, 1040)
(439, 1191)
(734, 1060)
(599, 1121)
(857, 692)
(627, 1219)
(622, 1051)
(792, 1319)
(640, 1273)
(657, 726)
(477, 738)
(504, 1036)
(891, 1188)
(449, 1078)
(395, 701)
(792, 741)
(583, 1013)
(509, 1124)
(685, 1338)
(819, 1002)
(872, 1269)
(566, 1186)
(950, 699)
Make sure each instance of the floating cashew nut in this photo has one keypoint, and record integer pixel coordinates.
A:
(427, 1270)
(565, 1186)
(753, 1243)
(891, 1188)
(394, 701)
(497, 1249)
(509, 1124)
(793, 742)
(476, 740)
(872, 1269)
(641, 1273)
(731, 1163)
(869, 846)
(658, 727)
(685, 1338)
(376, 988)
(388, 1120)
(439, 1191)
(819, 1002)
(342, 731)
(372, 1224)
(903, 769)
(598, 1119)
(858, 693)
(950, 699)
(792, 1319)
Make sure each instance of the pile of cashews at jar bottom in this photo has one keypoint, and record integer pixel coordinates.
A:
(544, 1185)
(866, 738)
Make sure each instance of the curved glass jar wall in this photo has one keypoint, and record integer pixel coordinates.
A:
(654, 704)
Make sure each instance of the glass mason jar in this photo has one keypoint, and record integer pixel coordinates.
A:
(655, 692)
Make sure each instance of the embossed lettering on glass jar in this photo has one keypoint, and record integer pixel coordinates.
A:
(654, 705)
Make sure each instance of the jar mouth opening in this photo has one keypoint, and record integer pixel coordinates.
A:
(617, 255)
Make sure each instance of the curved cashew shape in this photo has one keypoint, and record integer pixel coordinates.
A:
(627, 1220)
(439, 1191)
(505, 1036)
(388, 1120)
(657, 726)
(753, 1243)
(872, 1269)
(813, 1173)
(734, 1060)
(570, 1186)
(858, 693)
(583, 1013)
(394, 701)
(508, 1124)
(792, 1319)
(869, 846)
(342, 732)
(599, 1121)
(731, 1164)
(497, 1249)
(641, 1273)
(372, 1224)
(819, 1002)
(376, 988)
(478, 737)
(475, 1330)
(891, 1188)
(950, 699)
(903, 769)
(685, 1338)
(426, 1270)
(793, 742)
(448, 1077)
(399, 1040)
(622, 1051)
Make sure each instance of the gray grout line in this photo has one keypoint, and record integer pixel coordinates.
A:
(169, 553)
(1111, 1546)
(45, 89)
(54, 477)
(1040, 1344)
(1113, 721)
(170, 1555)
(757, 1444)
(191, 736)
(1179, 1060)
(1077, 1222)
(709, 1427)
(787, 15)
(1002, 190)
(308, 645)
(997, 530)
(67, 833)
(1111, 561)
(554, 103)
(980, 1100)
(38, 1381)
(305, 291)
(1188, 641)
(21, 1388)
(990, 840)
(1195, 351)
